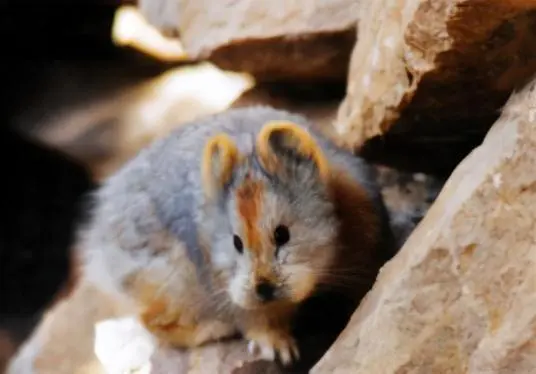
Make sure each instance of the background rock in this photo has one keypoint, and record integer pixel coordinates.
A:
(7, 349)
(117, 120)
(460, 297)
(428, 77)
(273, 40)
(407, 196)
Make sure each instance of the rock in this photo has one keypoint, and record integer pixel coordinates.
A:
(460, 296)
(131, 30)
(407, 197)
(111, 127)
(7, 350)
(318, 103)
(428, 78)
(273, 40)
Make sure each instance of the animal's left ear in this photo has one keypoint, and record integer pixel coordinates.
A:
(280, 140)
(220, 157)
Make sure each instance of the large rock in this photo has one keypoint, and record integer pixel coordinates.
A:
(273, 40)
(111, 127)
(428, 77)
(460, 297)
(115, 122)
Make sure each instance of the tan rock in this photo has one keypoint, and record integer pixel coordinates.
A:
(430, 76)
(460, 297)
(110, 129)
(7, 349)
(279, 39)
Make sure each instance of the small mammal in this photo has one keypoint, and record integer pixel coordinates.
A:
(229, 223)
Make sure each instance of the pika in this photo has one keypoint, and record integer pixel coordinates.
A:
(228, 224)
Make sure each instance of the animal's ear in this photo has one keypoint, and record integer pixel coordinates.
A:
(280, 140)
(220, 157)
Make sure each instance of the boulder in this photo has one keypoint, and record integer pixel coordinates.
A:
(428, 77)
(109, 129)
(460, 296)
(113, 125)
(307, 40)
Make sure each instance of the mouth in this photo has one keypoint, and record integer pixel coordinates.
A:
(252, 302)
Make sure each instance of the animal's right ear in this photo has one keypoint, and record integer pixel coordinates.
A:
(220, 157)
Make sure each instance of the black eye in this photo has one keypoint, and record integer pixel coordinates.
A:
(238, 243)
(281, 235)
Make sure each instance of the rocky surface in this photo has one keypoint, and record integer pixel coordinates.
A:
(460, 297)
(428, 77)
(273, 40)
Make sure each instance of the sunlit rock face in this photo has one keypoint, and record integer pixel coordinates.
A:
(460, 296)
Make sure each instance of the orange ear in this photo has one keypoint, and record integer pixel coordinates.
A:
(277, 138)
(220, 157)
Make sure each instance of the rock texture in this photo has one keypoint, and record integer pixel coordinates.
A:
(430, 76)
(273, 40)
(460, 297)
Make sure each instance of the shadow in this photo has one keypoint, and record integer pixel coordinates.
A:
(40, 208)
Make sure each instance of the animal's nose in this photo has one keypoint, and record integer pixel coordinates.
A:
(265, 290)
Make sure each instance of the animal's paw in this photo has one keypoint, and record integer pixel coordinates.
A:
(158, 316)
(271, 343)
(166, 325)
(181, 329)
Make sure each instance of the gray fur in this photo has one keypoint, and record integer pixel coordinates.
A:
(157, 198)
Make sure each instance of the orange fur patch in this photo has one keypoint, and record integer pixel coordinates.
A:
(294, 137)
(249, 200)
(249, 203)
(223, 147)
(165, 325)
